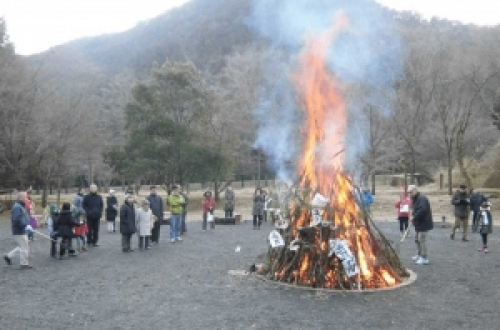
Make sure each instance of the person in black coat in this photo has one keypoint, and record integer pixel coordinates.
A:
(93, 206)
(127, 223)
(156, 205)
(111, 211)
(422, 220)
(65, 225)
(476, 200)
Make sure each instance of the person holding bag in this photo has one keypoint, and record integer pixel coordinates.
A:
(403, 207)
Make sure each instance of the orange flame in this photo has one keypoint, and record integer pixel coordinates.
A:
(322, 161)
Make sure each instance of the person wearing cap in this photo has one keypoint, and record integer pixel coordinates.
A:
(422, 220)
(111, 211)
(485, 225)
(127, 222)
(461, 202)
(176, 201)
(156, 206)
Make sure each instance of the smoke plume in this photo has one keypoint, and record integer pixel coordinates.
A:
(367, 56)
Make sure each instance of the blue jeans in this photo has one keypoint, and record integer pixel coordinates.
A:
(175, 226)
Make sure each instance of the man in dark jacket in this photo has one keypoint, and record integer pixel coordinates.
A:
(184, 211)
(20, 220)
(476, 200)
(422, 220)
(93, 206)
(461, 202)
(127, 223)
(156, 205)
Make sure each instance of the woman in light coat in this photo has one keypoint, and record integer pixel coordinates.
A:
(144, 221)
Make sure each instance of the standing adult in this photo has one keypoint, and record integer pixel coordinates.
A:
(175, 200)
(229, 200)
(422, 220)
(127, 223)
(184, 210)
(20, 221)
(461, 203)
(267, 201)
(111, 211)
(93, 206)
(208, 206)
(156, 205)
(367, 200)
(403, 207)
(476, 200)
(257, 208)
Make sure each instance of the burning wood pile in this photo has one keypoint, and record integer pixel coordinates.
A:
(326, 239)
(331, 243)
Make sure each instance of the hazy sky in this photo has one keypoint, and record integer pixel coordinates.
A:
(36, 25)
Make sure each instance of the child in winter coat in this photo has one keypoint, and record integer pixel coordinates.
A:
(485, 225)
(403, 207)
(208, 206)
(81, 229)
(144, 221)
(52, 227)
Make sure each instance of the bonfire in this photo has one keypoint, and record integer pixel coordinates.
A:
(326, 239)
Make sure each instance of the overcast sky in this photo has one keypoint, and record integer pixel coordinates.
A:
(36, 25)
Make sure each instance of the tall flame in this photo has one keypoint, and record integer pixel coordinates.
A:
(322, 160)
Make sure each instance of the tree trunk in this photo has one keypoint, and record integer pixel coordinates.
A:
(373, 183)
(44, 194)
(450, 175)
(216, 190)
(58, 190)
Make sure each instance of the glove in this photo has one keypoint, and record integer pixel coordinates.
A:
(28, 228)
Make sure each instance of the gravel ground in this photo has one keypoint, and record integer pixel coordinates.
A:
(186, 286)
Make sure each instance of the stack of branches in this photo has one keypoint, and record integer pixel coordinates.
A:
(306, 260)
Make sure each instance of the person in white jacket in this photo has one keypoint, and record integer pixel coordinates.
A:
(144, 221)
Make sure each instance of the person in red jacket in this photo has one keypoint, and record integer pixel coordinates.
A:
(403, 207)
(208, 204)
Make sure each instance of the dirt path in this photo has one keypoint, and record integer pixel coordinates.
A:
(186, 286)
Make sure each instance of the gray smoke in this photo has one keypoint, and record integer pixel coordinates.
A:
(367, 54)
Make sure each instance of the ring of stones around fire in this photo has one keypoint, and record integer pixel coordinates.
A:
(406, 281)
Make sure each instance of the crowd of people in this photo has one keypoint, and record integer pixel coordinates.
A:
(75, 227)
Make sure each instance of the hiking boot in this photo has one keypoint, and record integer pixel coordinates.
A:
(7, 260)
(422, 261)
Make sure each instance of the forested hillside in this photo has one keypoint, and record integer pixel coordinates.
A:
(84, 97)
